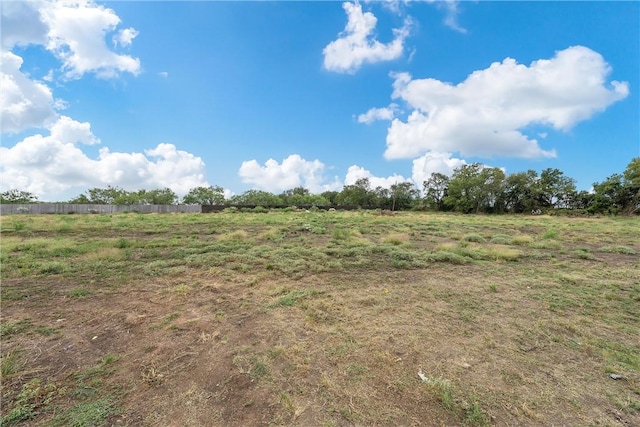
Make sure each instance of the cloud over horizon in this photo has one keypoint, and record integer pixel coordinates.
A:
(484, 115)
(294, 171)
(51, 164)
(47, 165)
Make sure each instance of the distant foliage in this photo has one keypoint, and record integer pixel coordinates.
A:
(472, 188)
(14, 196)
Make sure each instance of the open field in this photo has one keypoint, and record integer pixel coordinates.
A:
(319, 319)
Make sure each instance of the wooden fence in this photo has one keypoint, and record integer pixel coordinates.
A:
(67, 208)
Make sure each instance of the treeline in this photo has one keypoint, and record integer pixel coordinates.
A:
(472, 188)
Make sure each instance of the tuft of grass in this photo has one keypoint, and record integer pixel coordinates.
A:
(122, 243)
(583, 253)
(396, 239)
(10, 363)
(33, 398)
(501, 239)
(92, 413)
(54, 267)
(476, 238)
(522, 239)
(79, 293)
(292, 298)
(618, 249)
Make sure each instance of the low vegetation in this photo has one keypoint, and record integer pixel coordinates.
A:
(319, 318)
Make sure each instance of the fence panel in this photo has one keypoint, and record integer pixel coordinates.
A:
(68, 208)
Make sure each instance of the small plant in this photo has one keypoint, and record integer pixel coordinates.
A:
(122, 243)
(19, 226)
(79, 293)
(54, 267)
(618, 249)
(10, 363)
(476, 238)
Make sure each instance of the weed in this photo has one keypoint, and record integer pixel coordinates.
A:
(291, 298)
(33, 398)
(54, 267)
(618, 249)
(79, 293)
(476, 238)
(92, 413)
(10, 363)
(122, 243)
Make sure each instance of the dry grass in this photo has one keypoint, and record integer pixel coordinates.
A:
(320, 319)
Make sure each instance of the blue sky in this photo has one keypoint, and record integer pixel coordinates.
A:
(273, 95)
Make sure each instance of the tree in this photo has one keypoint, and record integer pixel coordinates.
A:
(257, 198)
(14, 196)
(330, 196)
(164, 196)
(553, 189)
(435, 190)
(359, 193)
(403, 195)
(205, 196)
(632, 183)
(104, 196)
(518, 191)
(475, 188)
(300, 196)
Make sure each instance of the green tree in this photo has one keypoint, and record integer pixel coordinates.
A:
(435, 190)
(554, 190)
(164, 196)
(14, 196)
(632, 183)
(518, 193)
(359, 194)
(205, 196)
(257, 198)
(475, 188)
(101, 196)
(403, 195)
(330, 196)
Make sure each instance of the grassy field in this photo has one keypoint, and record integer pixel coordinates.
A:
(319, 319)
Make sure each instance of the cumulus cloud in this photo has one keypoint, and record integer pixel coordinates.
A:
(25, 103)
(486, 113)
(50, 165)
(76, 36)
(357, 45)
(356, 172)
(385, 113)
(294, 171)
(125, 37)
(433, 162)
(21, 25)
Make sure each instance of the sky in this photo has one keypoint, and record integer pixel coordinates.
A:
(274, 95)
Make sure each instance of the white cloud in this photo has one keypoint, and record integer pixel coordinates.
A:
(69, 131)
(163, 74)
(76, 36)
(25, 103)
(433, 162)
(50, 166)
(357, 45)
(21, 24)
(125, 37)
(385, 113)
(294, 171)
(452, 12)
(485, 114)
(355, 173)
